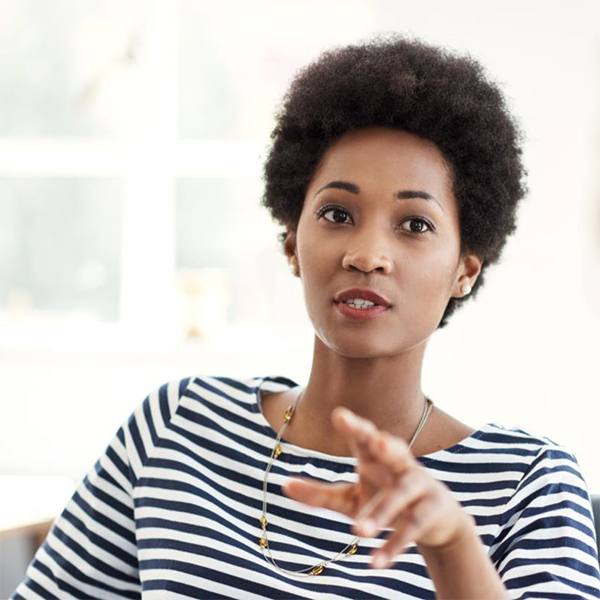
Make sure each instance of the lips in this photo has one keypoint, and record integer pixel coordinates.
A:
(363, 293)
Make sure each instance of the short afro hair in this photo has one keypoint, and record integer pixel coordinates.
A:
(403, 83)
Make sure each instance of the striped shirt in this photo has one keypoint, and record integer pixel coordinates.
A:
(172, 509)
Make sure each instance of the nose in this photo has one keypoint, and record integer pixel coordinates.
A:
(368, 253)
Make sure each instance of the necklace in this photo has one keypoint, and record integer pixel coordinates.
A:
(352, 547)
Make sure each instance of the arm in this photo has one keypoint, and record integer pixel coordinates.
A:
(462, 569)
(395, 491)
(91, 550)
(546, 546)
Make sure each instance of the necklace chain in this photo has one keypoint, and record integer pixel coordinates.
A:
(350, 548)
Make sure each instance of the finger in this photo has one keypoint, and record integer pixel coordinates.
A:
(391, 451)
(359, 431)
(361, 527)
(375, 474)
(412, 526)
(391, 504)
(341, 497)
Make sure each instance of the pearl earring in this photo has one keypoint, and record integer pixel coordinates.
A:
(292, 268)
(465, 289)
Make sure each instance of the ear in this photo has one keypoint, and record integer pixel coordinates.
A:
(289, 246)
(467, 273)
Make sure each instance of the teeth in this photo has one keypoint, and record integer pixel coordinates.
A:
(359, 303)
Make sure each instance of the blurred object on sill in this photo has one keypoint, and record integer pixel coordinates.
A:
(204, 297)
(19, 304)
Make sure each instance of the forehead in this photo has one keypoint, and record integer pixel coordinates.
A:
(386, 159)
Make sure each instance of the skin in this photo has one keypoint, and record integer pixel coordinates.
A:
(374, 367)
(364, 396)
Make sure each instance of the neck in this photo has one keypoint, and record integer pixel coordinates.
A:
(385, 390)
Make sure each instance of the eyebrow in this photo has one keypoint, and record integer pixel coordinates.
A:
(400, 195)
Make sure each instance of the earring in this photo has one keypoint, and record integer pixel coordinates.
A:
(292, 269)
(465, 289)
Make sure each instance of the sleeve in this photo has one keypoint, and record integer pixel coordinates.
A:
(546, 547)
(91, 550)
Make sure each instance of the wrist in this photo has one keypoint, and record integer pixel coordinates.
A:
(465, 533)
(461, 568)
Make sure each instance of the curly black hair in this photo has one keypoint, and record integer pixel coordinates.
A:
(406, 84)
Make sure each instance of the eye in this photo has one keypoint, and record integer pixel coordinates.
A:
(339, 215)
(417, 225)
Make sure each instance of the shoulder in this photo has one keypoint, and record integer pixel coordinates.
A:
(162, 403)
(509, 459)
(208, 401)
(519, 442)
(550, 476)
(500, 445)
(547, 518)
(515, 436)
(225, 390)
(537, 453)
(533, 446)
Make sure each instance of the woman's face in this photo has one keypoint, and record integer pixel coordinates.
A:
(379, 214)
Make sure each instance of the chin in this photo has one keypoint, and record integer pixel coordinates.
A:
(358, 345)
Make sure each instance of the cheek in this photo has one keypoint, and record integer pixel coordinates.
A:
(437, 275)
(317, 252)
(316, 278)
(426, 283)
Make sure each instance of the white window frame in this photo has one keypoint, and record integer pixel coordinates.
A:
(148, 159)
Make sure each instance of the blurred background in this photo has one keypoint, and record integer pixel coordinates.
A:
(133, 248)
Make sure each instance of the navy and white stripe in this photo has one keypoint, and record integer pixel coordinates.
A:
(172, 508)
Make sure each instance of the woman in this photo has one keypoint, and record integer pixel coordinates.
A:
(396, 172)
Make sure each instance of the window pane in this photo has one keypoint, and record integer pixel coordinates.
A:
(236, 59)
(60, 243)
(228, 257)
(67, 66)
(212, 220)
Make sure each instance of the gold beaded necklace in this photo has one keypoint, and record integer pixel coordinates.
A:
(350, 548)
